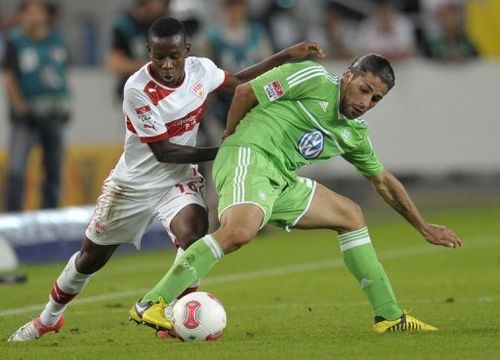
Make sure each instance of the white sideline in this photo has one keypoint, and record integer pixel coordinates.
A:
(285, 270)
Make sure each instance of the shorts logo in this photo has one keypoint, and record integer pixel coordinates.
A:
(274, 90)
(311, 144)
(97, 227)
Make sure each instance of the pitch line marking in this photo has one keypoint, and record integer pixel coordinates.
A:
(286, 270)
(482, 300)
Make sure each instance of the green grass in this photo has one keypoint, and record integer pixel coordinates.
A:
(288, 296)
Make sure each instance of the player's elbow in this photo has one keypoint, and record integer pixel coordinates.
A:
(168, 158)
(242, 89)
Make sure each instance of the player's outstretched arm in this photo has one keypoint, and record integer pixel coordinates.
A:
(394, 194)
(294, 52)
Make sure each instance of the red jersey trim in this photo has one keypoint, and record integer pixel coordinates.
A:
(156, 92)
(186, 123)
(146, 139)
(227, 76)
(130, 127)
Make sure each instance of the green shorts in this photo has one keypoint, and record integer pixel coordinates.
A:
(243, 175)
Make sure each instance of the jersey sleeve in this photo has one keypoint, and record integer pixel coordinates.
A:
(216, 77)
(287, 82)
(143, 117)
(364, 159)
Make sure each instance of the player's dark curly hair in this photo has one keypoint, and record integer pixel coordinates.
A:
(166, 27)
(377, 65)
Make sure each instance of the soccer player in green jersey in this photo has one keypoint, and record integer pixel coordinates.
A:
(293, 115)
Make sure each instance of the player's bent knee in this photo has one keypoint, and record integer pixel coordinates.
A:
(232, 238)
(89, 262)
(353, 218)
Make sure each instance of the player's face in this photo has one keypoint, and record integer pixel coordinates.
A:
(167, 55)
(360, 92)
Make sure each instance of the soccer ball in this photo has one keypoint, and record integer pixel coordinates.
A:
(198, 316)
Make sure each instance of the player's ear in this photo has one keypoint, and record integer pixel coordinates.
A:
(347, 76)
(148, 48)
(188, 47)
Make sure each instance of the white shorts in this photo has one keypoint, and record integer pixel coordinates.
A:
(122, 214)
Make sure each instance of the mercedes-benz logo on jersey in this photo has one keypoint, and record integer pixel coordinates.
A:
(311, 144)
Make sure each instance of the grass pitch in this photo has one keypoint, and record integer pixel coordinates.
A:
(288, 296)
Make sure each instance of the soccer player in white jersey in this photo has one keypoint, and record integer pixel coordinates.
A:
(155, 176)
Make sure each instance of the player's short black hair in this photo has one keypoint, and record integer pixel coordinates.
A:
(166, 27)
(377, 65)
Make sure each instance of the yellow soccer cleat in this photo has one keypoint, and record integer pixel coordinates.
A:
(404, 323)
(151, 314)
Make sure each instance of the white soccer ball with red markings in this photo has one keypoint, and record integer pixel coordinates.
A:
(198, 316)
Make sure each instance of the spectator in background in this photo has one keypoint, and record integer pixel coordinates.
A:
(335, 33)
(128, 51)
(283, 24)
(190, 14)
(35, 65)
(387, 32)
(235, 43)
(450, 43)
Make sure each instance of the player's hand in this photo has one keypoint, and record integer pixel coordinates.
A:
(303, 49)
(441, 235)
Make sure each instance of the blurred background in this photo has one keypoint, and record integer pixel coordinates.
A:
(438, 129)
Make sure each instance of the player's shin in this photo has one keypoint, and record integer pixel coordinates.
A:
(194, 285)
(361, 260)
(193, 265)
(69, 283)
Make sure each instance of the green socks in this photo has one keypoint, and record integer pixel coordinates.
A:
(361, 260)
(357, 250)
(194, 264)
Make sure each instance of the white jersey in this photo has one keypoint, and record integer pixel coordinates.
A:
(153, 112)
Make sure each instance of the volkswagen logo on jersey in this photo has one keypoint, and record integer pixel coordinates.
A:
(311, 144)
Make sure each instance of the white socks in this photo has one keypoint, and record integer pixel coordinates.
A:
(66, 287)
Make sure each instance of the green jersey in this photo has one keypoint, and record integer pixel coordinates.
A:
(297, 121)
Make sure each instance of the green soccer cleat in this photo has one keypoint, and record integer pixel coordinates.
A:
(151, 314)
(404, 323)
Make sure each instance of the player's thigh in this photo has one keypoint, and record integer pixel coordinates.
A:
(293, 202)
(121, 215)
(329, 210)
(245, 176)
(183, 212)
